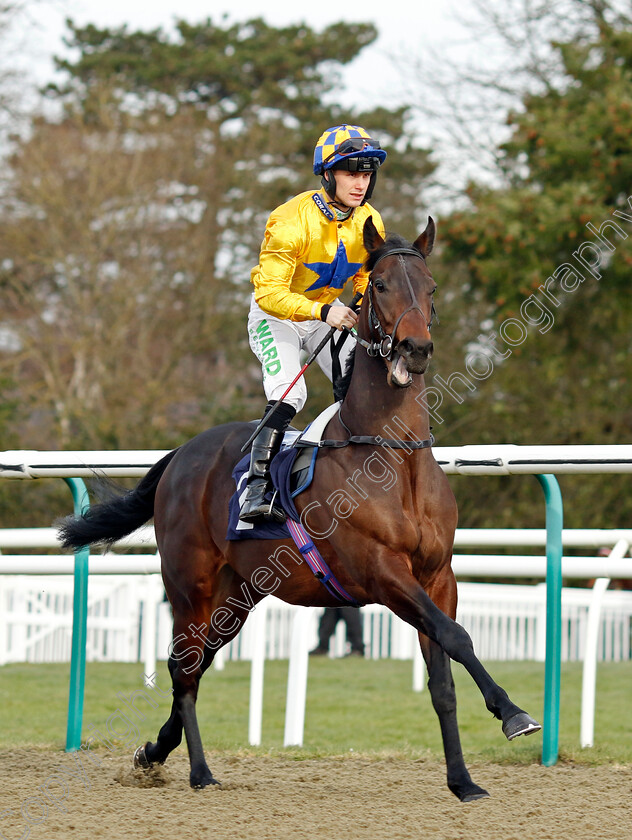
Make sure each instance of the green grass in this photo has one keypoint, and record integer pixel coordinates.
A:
(364, 706)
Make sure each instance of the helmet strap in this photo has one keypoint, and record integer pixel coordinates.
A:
(371, 187)
(328, 181)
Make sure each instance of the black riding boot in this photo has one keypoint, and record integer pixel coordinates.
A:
(254, 508)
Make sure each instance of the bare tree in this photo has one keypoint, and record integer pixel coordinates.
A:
(109, 297)
(501, 52)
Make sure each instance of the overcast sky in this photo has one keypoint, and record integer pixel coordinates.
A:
(384, 74)
(406, 28)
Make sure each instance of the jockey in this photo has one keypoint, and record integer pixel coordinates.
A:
(313, 244)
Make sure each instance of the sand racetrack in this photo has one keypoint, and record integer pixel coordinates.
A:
(50, 795)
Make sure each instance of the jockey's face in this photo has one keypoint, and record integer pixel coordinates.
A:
(351, 187)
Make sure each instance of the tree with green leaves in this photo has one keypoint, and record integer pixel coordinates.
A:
(549, 248)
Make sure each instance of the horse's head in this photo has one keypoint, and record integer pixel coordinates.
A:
(398, 301)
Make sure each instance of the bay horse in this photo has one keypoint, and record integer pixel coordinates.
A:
(386, 543)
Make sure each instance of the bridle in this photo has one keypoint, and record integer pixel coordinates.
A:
(385, 346)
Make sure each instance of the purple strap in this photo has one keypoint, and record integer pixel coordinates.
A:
(316, 563)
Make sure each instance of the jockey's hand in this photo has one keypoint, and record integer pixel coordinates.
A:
(340, 317)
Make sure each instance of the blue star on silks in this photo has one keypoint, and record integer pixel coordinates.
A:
(334, 274)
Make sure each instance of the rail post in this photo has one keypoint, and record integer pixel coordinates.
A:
(554, 525)
(79, 625)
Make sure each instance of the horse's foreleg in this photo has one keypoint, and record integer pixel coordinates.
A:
(397, 589)
(443, 695)
(203, 623)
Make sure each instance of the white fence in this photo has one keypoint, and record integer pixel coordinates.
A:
(129, 620)
(540, 461)
(36, 618)
(505, 622)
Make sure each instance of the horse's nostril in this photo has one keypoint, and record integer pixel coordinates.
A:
(409, 347)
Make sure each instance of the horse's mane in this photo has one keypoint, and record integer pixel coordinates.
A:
(392, 241)
(341, 385)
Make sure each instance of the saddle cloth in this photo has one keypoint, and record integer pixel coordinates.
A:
(291, 471)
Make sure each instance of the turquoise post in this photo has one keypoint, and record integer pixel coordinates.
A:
(79, 626)
(554, 525)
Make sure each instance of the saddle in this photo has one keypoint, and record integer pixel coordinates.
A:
(291, 471)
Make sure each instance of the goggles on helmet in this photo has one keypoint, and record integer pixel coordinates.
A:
(358, 164)
(353, 144)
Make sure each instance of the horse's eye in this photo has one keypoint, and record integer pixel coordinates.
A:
(379, 286)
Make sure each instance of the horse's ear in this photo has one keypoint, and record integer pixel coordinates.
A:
(372, 238)
(425, 240)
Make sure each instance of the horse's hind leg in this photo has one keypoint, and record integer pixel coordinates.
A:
(169, 737)
(196, 639)
(185, 679)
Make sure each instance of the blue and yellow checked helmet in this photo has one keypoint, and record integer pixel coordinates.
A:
(347, 147)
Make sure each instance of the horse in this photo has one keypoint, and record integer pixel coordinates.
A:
(386, 542)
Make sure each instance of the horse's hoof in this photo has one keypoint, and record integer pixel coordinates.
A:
(472, 797)
(520, 724)
(468, 791)
(140, 759)
(199, 781)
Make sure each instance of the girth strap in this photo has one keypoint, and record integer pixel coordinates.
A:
(319, 567)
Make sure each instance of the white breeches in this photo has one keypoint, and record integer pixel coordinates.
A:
(278, 345)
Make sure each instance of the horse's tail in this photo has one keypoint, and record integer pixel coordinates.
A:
(109, 521)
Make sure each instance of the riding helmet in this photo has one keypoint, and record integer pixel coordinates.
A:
(347, 147)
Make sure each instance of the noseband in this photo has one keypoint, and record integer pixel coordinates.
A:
(385, 346)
